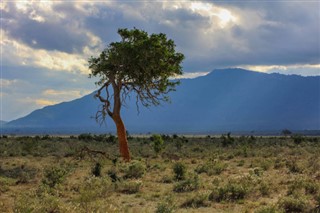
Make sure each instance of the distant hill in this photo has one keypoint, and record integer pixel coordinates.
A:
(223, 100)
(3, 122)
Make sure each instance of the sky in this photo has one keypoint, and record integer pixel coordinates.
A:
(45, 45)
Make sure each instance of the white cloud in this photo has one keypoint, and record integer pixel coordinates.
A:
(18, 53)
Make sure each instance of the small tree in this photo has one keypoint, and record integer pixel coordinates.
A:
(138, 65)
(157, 143)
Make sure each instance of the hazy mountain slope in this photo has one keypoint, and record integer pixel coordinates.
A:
(224, 100)
(3, 122)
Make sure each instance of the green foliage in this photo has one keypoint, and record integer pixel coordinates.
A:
(129, 187)
(232, 191)
(187, 185)
(211, 168)
(294, 166)
(179, 170)
(54, 176)
(166, 206)
(293, 204)
(199, 200)
(142, 63)
(92, 189)
(157, 143)
(135, 170)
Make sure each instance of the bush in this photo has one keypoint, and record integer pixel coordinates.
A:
(179, 170)
(54, 176)
(227, 140)
(92, 189)
(294, 167)
(230, 192)
(293, 204)
(165, 206)
(96, 170)
(131, 187)
(135, 170)
(188, 185)
(199, 200)
(157, 143)
(112, 173)
(297, 139)
(211, 168)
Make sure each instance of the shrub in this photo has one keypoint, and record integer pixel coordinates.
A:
(157, 143)
(96, 170)
(211, 168)
(179, 170)
(112, 173)
(230, 192)
(166, 206)
(92, 189)
(135, 170)
(264, 188)
(199, 200)
(85, 137)
(227, 140)
(297, 139)
(294, 167)
(293, 204)
(130, 187)
(54, 176)
(311, 187)
(187, 185)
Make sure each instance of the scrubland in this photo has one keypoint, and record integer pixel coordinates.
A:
(167, 174)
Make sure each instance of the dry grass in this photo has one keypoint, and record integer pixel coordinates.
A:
(246, 175)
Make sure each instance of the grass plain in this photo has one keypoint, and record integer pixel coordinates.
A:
(180, 174)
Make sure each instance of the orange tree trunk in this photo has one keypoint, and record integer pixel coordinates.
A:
(122, 137)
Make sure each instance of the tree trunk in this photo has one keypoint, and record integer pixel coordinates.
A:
(122, 137)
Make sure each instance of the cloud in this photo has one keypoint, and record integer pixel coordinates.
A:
(43, 102)
(20, 54)
(46, 44)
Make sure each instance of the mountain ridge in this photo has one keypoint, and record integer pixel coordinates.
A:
(224, 100)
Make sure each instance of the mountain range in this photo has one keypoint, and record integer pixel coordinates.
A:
(224, 100)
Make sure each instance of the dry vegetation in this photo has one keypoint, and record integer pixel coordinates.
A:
(167, 174)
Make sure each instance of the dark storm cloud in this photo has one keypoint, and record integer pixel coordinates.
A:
(51, 34)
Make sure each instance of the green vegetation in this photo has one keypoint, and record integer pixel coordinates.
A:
(205, 174)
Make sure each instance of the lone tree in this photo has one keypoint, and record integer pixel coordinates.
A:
(139, 65)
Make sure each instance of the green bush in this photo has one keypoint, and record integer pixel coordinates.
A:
(179, 170)
(157, 143)
(166, 206)
(135, 170)
(54, 176)
(187, 185)
(199, 200)
(232, 191)
(211, 168)
(92, 189)
(293, 204)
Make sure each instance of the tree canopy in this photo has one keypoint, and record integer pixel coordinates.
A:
(138, 65)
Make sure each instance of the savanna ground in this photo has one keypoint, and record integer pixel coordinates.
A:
(182, 174)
